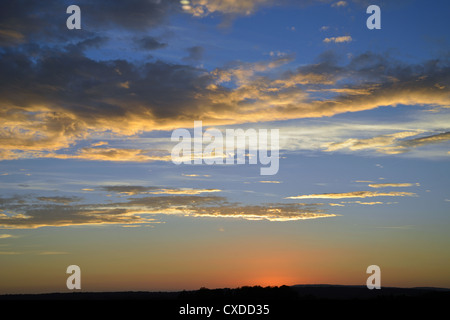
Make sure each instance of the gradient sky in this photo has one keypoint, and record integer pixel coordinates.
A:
(86, 118)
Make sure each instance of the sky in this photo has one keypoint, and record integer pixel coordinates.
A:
(87, 115)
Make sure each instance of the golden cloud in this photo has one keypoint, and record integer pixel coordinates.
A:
(340, 4)
(394, 185)
(50, 117)
(110, 154)
(145, 210)
(340, 39)
(203, 8)
(395, 143)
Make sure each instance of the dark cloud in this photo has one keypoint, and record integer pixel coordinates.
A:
(80, 46)
(150, 43)
(194, 54)
(132, 14)
(64, 200)
(431, 139)
(130, 190)
(82, 92)
(28, 20)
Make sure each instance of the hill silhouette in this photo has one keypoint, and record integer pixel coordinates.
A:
(284, 302)
(281, 293)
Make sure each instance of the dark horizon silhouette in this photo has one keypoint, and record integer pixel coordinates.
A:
(284, 293)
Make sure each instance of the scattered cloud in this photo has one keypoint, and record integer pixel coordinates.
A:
(378, 142)
(7, 236)
(396, 143)
(129, 190)
(341, 39)
(110, 154)
(100, 143)
(393, 185)
(184, 191)
(355, 194)
(365, 203)
(340, 4)
(202, 8)
(272, 181)
(279, 212)
(65, 200)
(134, 190)
(150, 43)
(431, 139)
(196, 175)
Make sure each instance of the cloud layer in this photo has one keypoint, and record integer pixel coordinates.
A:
(44, 111)
(25, 212)
(54, 95)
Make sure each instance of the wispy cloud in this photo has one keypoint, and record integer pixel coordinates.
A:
(52, 253)
(355, 194)
(378, 142)
(365, 203)
(394, 185)
(110, 154)
(133, 190)
(65, 200)
(7, 236)
(336, 205)
(196, 175)
(270, 181)
(23, 213)
(187, 191)
(406, 227)
(396, 143)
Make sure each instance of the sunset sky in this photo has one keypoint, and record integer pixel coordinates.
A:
(86, 116)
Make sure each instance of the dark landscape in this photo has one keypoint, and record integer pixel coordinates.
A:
(284, 302)
(282, 293)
